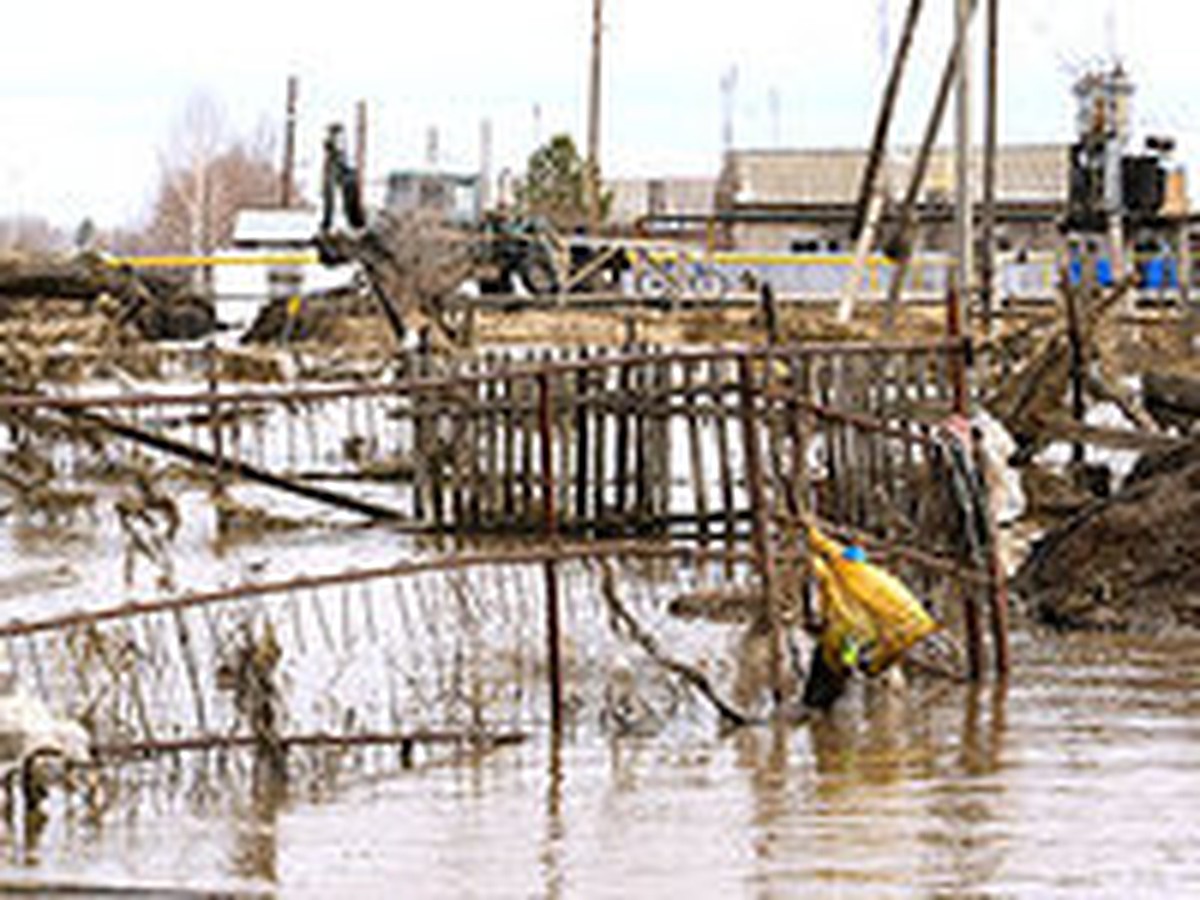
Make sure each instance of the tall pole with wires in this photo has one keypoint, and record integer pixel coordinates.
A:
(593, 135)
(962, 179)
(287, 185)
(987, 269)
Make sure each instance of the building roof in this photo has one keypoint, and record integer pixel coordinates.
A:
(1028, 173)
(276, 226)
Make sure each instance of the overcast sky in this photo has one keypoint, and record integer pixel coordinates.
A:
(90, 92)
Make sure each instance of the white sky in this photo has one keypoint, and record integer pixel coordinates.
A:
(90, 92)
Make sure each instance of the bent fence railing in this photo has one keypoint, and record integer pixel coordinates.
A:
(672, 475)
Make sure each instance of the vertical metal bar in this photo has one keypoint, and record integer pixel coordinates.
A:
(716, 372)
(582, 435)
(624, 413)
(600, 378)
(801, 483)
(508, 465)
(550, 528)
(1078, 360)
(695, 451)
(959, 357)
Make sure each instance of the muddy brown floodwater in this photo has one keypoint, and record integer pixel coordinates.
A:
(1081, 779)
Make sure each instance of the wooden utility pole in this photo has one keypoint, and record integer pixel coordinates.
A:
(485, 165)
(869, 208)
(962, 154)
(987, 268)
(901, 241)
(287, 188)
(593, 136)
(883, 122)
(360, 144)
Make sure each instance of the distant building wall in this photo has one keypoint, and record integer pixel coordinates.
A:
(454, 197)
(771, 199)
(636, 199)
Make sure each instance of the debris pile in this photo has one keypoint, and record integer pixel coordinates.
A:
(151, 306)
(1131, 561)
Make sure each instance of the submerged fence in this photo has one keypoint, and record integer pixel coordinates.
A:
(692, 474)
(641, 440)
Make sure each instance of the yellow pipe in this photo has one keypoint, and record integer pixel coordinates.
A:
(187, 261)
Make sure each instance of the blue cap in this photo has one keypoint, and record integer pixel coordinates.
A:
(854, 553)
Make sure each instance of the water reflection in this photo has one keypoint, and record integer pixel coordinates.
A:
(893, 789)
(553, 840)
(936, 790)
(255, 852)
(964, 838)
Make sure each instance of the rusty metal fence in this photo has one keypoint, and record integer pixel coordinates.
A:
(703, 465)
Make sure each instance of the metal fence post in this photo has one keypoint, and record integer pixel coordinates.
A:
(550, 528)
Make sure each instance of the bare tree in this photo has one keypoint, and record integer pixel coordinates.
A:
(26, 234)
(207, 176)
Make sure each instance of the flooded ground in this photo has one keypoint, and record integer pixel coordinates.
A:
(1077, 779)
(1080, 779)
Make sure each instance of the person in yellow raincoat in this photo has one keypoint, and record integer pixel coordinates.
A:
(870, 618)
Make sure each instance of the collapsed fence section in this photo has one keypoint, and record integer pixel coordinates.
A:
(715, 446)
(641, 441)
(432, 651)
(423, 648)
(698, 444)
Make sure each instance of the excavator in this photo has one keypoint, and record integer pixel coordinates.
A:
(500, 251)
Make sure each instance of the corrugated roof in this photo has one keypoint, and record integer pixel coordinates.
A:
(1027, 172)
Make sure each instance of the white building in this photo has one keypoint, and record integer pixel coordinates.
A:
(273, 255)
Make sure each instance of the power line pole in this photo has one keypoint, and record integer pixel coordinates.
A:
(287, 187)
(593, 137)
(360, 143)
(987, 269)
(868, 210)
(883, 121)
(485, 165)
(900, 244)
(962, 160)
